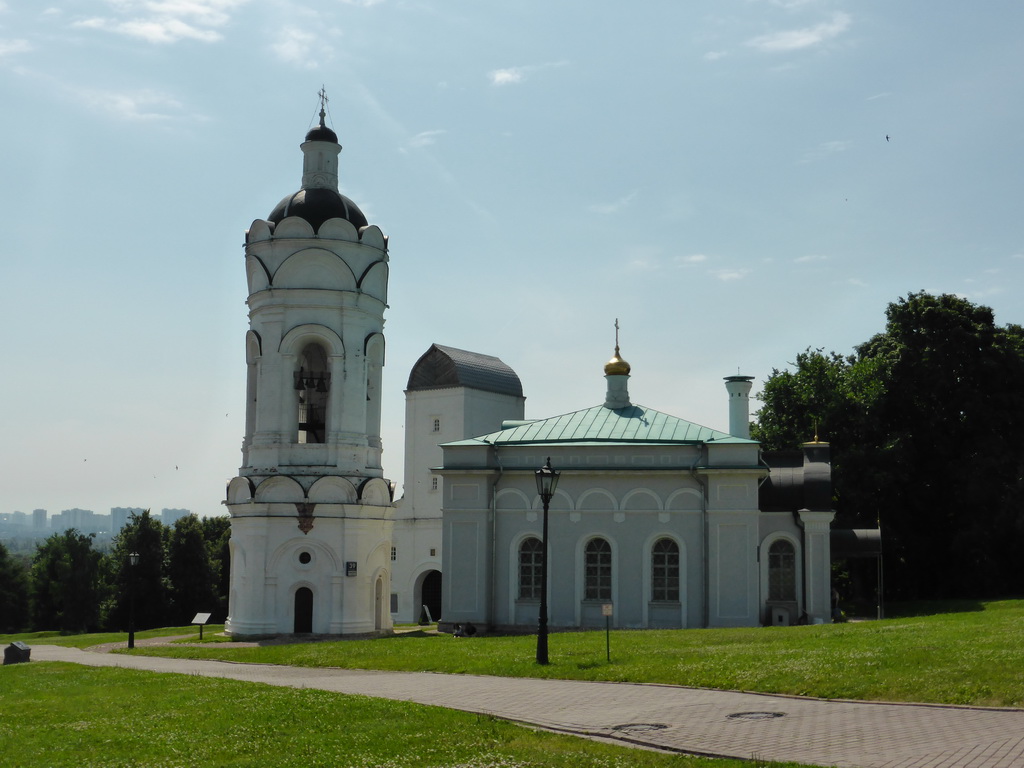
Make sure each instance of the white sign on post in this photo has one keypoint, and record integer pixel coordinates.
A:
(606, 611)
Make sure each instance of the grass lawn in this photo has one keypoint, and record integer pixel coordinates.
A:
(66, 715)
(69, 715)
(971, 655)
(87, 641)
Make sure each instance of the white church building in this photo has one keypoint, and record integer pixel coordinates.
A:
(670, 523)
(655, 519)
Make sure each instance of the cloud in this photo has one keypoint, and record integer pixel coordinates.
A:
(424, 139)
(641, 264)
(694, 258)
(140, 106)
(810, 258)
(825, 149)
(643, 258)
(615, 207)
(295, 46)
(857, 282)
(166, 21)
(797, 39)
(13, 47)
(725, 275)
(982, 294)
(715, 55)
(515, 75)
(507, 76)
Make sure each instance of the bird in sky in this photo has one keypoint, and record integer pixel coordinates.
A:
(887, 137)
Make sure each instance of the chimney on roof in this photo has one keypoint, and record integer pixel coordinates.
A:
(739, 404)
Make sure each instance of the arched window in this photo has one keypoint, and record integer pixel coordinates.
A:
(313, 384)
(782, 571)
(597, 579)
(531, 554)
(665, 571)
(374, 362)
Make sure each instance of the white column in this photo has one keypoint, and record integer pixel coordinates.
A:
(817, 565)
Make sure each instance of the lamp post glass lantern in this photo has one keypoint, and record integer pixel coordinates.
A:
(133, 560)
(547, 481)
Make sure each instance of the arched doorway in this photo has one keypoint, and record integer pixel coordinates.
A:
(430, 594)
(303, 611)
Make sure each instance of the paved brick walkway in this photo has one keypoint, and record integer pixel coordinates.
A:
(720, 723)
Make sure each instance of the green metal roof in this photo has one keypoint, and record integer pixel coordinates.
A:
(633, 424)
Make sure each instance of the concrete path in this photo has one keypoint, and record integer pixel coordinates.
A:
(697, 721)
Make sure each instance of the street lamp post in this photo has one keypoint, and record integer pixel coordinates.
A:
(547, 480)
(133, 560)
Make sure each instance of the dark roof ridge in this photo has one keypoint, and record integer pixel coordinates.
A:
(442, 366)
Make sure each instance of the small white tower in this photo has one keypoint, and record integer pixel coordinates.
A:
(452, 395)
(738, 388)
(311, 513)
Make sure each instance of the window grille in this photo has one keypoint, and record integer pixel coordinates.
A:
(665, 571)
(598, 570)
(531, 553)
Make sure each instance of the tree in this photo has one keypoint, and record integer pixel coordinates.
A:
(13, 594)
(144, 585)
(217, 533)
(833, 398)
(65, 588)
(190, 572)
(952, 421)
(807, 402)
(926, 422)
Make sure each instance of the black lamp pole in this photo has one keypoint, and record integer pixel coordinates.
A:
(133, 560)
(547, 480)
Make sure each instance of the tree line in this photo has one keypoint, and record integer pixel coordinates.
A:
(926, 425)
(70, 586)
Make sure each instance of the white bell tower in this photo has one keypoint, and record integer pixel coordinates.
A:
(311, 514)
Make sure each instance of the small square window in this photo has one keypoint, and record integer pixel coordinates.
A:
(394, 554)
(433, 552)
(437, 425)
(433, 483)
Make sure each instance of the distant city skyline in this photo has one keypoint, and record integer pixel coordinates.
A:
(83, 520)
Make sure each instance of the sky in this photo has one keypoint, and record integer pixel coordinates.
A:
(735, 181)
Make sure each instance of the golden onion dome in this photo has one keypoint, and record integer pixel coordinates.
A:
(616, 366)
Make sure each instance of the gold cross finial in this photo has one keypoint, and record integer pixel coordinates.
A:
(616, 366)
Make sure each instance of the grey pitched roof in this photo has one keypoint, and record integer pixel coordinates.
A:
(441, 367)
(632, 424)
